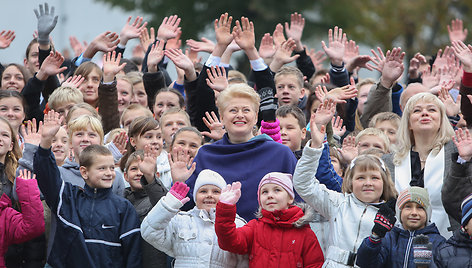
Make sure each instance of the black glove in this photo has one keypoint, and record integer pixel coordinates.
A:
(422, 250)
(385, 219)
(268, 104)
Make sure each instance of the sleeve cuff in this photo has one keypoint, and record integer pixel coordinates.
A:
(212, 61)
(467, 79)
(81, 59)
(121, 46)
(258, 65)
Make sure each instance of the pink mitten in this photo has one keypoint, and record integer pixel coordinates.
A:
(179, 190)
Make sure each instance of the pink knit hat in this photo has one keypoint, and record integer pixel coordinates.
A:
(284, 180)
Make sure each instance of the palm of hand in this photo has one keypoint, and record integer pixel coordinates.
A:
(155, 56)
(465, 57)
(335, 50)
(4, 43)
(180, 171)
(111, 67)
(166, 32)
(464, 147)
(266, 51)
(183, 62)
(392, 70)
(217, 131)
(50, 128)
(323, 116)
(245, 40)
(295, 31)
(223, 35)
(230, 196)
(32, 138)
(148, 165)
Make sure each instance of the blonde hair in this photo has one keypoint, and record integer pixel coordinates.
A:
(368, 162)
(235, 77)
(63, 95)
(237, 91)
(135, 77)
(175, 110)
(83, 122)
(111, 135)
(134, 107)
(385, 116)
(85, 106)
(124, 78)
(363, 82)
(405, 137)
(374, 132)
(288, 70)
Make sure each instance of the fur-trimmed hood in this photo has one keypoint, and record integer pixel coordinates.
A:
(308, 214)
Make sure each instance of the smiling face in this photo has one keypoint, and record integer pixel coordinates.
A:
(12, 79)
(207, 197)
(60, 146)
(125, 91)
(101, 173)
(239, 118)
(188, 142)
(89, 87)
(139, 95)
(80, 139)
(370, 141)
(12, 109)
(425, 117)
(170, 124)
(6, 140)
(413, 216)
(389, 129)
(165, 101)
(367, 185)
(151, 137)
(291, 133)
(289, 91)
(274, 197)
(133, 176)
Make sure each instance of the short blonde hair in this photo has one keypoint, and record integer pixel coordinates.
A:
(235, 77)
(175, 110)
(363, 82)
(385, 116)
(405, 138)
(135, 107)
(374, 132)
(237, 91)
(135, 77)
(82, 105)
(289, 70)
(83, 122)
(124, 78)
(367, 162)
(63, 95)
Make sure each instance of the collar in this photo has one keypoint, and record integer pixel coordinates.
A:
(100, 193)
(282, 218)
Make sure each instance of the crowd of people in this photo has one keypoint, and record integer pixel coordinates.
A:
(296, 164)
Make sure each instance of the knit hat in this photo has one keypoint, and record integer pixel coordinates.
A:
(284, 180)
(414, 194)
(208, 177)
(466, 210)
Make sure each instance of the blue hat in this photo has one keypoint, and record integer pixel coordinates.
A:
(466, 210)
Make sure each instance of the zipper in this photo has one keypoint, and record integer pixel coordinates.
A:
(359, 229)
(408, 246)
(93, 205)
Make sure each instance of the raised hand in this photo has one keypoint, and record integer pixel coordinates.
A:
(317, 57)
(430, 79)
(51, 125)
(456, 31)
(378, 60)
(204, 45)
(415, 63)
(393, 67)
(295, 29)
(338, 128)
(46, 23)
(193, 56)
(349, 150)
(464, 53)
(155, 56)
(180, 191)
(111, 66)
(146, 38)
(217, 79)
(6, 38)
(176, 42)
(325, 79)
(147, 164)
(335, 48)
(132, 30)
(243, 33)
(183, 62)
(317, 133)
(76, 46)
(30, 133)
(169, 28)
(105, 42)
(443, 58)
(120, 140)
(283, 55)
(340, 94)
(325, 112)
(73, 81)
(278, 35)
(463, 142)
(267, 48)
(26, 174)
(452, 108)
(384, 220)
(214, 125)
(51, 66)
(181, 165)
(231, 193)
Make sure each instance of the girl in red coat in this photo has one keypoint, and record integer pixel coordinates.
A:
(280, 237)
(18, 227)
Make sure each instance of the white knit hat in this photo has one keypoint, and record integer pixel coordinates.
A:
(208, 177)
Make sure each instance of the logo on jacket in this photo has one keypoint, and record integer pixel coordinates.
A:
(107, 226)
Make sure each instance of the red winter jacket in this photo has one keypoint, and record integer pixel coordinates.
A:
(18, 227)
(277, 239)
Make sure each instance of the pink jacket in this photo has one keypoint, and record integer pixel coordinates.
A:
(18, 227)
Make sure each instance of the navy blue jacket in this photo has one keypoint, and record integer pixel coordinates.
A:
(326, 173)
(395, 248)
(456, 252)
(95, 228)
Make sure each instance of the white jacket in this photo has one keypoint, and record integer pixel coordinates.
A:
(350, 220)
(189, 237)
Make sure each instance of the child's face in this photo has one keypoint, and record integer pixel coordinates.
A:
(188, 142)
(101, 174)
(289, 90)
(64, 108)
(165, 101)
(336, 165)
(367, 186)
(125, 91)
(370, 141)
(6, 140)
(389, 129)
(207, 197)
(170, 124)
(133, 176)
(12, 109)
(152, 137)
(468, 228)
(274, 197)
(80, 139)
(89, 87)
(291, 133)
(413, 216)
(139, 95)
(362, 97)
(60, 146)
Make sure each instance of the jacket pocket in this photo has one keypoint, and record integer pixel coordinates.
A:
(187, 234)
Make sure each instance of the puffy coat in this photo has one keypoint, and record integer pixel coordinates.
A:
(456, 252)
(281, 238)
(350, 220)
(396, 248)
(189, 237)
(16, 227)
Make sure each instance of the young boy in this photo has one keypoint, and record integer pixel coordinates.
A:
(95, 228)
(372, 138)
(292, 127)
(289, 86)
(388, 122)
(390, 246)
(63, 98)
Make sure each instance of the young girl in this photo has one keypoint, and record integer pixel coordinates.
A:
(18, 227)
(190, 236)
(165, 99)
(186, 140)
(351, 214)
(172, 120)
(12, 108)
(280, 237)
(147, 131)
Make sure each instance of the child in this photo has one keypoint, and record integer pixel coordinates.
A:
(18, 227)
(186, 140)
(62, 99)
(132, 112)
(165, 99)
(289, 86)
(190, 236)
(280, 237)
(367, 184)
(172, 120)
(81, 109)
(388, 122)
(387, 246)
(95, 228)
(372, 138)
(292, 127)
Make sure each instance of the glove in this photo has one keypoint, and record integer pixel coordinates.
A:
(231, 193)
(385, 219)
(268, 104)
(422, 250)
(180, 190)
(46, 23)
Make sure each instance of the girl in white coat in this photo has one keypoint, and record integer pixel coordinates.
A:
(366, 185)
(190, 236)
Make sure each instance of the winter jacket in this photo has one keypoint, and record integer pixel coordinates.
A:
(281, 238)
(326, 173)
(466, 105)
(456, 252)
(350, 219)
(18, 227)
(379, 100)
(396, 248)
(189, 237)
(95, 228)
(108, 106)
